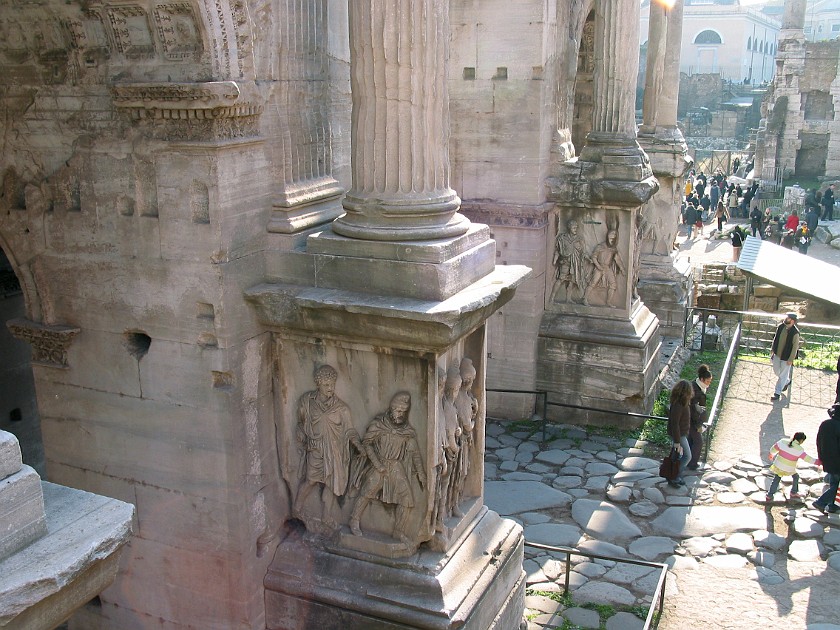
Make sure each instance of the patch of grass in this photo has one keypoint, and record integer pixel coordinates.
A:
(640, 611)
(605, 611)
(820, 357)
(656, 431)
(561, 598)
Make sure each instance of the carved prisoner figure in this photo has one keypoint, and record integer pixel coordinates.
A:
(448, 432)
(451, 447)
(392, 457)
(608, 265)
(466, 404)
(569, 260)
(325, 432)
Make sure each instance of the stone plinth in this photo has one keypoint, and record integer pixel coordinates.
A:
(603, 361)
(59, 547)
(477, 584)
(395, 534)
(665, 286)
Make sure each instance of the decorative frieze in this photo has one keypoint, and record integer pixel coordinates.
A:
(49, 343)
(216, 110)
(177, 30)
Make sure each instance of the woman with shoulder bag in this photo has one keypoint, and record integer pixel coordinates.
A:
(699, 415)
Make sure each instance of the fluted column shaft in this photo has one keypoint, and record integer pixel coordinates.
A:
(616, 69)
(673, 48)
(400, 123)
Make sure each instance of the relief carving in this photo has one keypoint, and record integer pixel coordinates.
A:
(449, 435)
(569, 263)
(466, 404)
(49, 343)
(391, 460)
(177, 30)
(325, 433)
(132, 34)
(608, 267)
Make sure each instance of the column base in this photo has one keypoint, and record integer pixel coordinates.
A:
(478, 584)
(428, 270)
(607, 362)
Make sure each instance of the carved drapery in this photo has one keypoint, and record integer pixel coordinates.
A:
(49, 343)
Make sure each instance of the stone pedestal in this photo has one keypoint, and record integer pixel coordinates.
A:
(664, 285)
(599, 344)
(395, 534)
(59, 547)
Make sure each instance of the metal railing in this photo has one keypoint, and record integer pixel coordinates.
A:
(723, 383)
(541, 396)
(654, 613)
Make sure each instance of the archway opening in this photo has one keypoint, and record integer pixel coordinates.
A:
(18, 405)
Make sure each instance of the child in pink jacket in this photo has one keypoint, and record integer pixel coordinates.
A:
(784, 455)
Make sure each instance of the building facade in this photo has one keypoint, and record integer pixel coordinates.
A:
(723, 37)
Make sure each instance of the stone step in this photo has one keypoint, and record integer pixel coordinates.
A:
(22, 517)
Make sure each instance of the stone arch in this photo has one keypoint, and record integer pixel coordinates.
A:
(18, 404)
(708, 36)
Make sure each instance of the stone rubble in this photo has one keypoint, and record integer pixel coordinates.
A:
(589, 492)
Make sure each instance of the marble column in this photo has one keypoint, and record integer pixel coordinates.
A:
(598, 343)
(664, 283)
(394, 294)
(400, 124)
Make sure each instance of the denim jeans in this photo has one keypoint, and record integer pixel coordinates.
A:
(774, 485)
(686, 454)
(827, 498)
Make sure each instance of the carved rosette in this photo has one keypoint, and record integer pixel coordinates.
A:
(49, 343)
(208, 111)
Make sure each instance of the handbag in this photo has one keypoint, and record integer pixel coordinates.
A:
(670, 466)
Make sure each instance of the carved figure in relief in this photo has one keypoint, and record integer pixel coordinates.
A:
(608, 266)
(450, 441)
(393, 458)
(325, 432)
(568, 261)
(466, 404)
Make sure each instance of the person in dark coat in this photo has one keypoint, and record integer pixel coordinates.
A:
(690, 217)
(755, 221)
(737, 238)
(828, 204)
(828, 447)
(699, 415)
(679, 423)
(837, 397)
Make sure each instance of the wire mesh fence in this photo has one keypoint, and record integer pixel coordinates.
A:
(814, 375)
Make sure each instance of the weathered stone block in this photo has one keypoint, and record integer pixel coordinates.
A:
(10, 457)
(766, 291)
(22, 517)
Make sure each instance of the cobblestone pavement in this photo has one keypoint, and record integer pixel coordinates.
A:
(735, 562)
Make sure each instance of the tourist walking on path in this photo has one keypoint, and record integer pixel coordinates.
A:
(737, 238)
(828, 448)
(783, 352)
(828, 204)
(679, 423)
(699, 415)
(755, 221)
(720, 215)
(784, 455)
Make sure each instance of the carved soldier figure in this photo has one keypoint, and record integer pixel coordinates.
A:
(569, 261)
(466, 405)
(393, 456)
(608, 265)
(324, 432)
